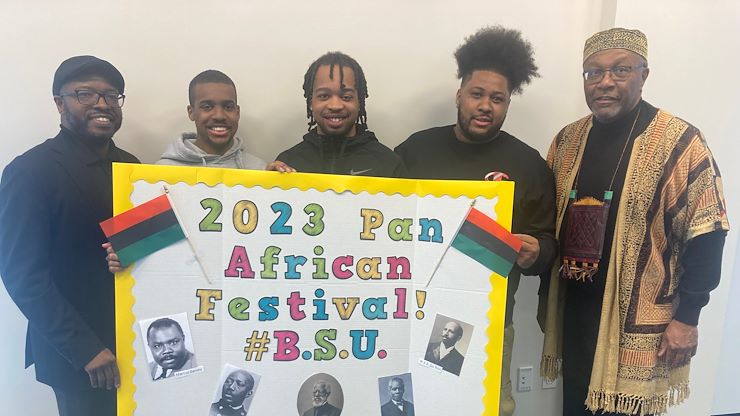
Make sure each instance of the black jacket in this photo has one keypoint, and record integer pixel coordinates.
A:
(362, 155)
(51, 200)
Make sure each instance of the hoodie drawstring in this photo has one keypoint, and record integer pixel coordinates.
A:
(239, 158)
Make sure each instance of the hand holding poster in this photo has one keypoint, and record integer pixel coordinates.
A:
(319, 294)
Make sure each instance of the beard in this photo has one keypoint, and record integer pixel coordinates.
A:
(319, 401)
(478, 136)
(83, 125)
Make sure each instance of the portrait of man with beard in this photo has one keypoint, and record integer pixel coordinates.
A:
(320, 395)
(445, 349)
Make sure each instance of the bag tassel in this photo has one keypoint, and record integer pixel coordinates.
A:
(578, 270)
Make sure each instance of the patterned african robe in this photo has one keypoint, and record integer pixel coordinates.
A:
(672, 193)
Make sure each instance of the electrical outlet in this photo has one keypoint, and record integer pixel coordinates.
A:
(524, 379)
(549, 384)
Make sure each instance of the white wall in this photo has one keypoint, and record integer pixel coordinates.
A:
(692, 45)
(727, 389)
(405, 48)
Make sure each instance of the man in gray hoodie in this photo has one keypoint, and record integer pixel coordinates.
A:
(214, 110)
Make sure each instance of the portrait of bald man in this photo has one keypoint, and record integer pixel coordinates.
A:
(444, 349)
(396, 395)
(236, 392)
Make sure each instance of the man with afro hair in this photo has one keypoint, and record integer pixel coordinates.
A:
(493, 64)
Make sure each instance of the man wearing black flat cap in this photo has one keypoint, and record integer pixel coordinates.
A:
(51, 200)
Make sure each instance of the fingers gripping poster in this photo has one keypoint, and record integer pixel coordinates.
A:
(298, 294)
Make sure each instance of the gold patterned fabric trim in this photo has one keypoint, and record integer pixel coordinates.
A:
(561, 157)
(636, 405)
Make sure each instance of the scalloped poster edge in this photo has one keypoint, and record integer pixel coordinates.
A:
(123, 188)
(125, 175)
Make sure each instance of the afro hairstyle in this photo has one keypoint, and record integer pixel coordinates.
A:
(501, 50)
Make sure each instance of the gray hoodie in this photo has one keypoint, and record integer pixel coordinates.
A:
(184, 152)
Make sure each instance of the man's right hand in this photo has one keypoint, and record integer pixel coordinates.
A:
(678, 343)
(103, 371)
(529, 252)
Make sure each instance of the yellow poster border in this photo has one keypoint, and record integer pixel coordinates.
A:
(125, 175)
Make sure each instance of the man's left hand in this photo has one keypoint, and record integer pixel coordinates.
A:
(529, 252)
(114, 266)
(678, 344)
(279, 166)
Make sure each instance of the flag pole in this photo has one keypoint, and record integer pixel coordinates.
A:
(187, 237)
(434, 271)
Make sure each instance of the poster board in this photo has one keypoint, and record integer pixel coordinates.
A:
(304, 281)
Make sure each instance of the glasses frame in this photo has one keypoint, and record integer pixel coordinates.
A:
(118, 103)
(595, 80)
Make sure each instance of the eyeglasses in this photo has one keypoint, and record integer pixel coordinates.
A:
(619, 73)
(89, 97)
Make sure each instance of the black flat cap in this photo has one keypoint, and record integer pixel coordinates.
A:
(86, 65)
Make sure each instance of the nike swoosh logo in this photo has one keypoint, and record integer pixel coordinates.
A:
(358, 172)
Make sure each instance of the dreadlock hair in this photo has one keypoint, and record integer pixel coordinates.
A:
(495, 48)
(209, 75)
(341, 61)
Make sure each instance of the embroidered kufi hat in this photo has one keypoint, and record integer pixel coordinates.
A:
(616, 38)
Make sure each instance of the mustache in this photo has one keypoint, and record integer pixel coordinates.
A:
(97, 113)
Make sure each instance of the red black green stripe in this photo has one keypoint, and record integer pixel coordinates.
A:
(136, 215)
(143, 230)
(487, 242)
(150, 244)
(487, 223)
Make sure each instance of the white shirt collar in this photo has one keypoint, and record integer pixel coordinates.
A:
(159, 370)
(443, 351)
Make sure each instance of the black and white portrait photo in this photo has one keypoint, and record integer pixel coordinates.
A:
(448, 343)
(320, 395)
(169, 347)
(396, 395)
(234, 393)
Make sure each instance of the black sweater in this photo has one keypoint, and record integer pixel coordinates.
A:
(437, 154)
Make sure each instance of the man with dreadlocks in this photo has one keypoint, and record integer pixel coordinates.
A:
(338, 140)
(493, 64)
